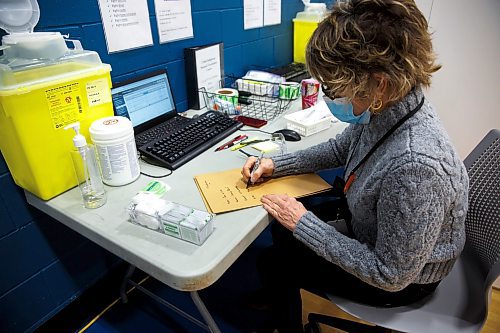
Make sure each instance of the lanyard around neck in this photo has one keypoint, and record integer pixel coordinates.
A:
(352, 175)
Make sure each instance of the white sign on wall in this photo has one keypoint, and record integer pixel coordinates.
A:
(126, 24)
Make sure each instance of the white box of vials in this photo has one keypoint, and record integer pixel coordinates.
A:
(171, 218)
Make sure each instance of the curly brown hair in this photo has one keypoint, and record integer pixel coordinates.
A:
(363, 37)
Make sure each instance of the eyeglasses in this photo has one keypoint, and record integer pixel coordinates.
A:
(327, 91)
(330, 94)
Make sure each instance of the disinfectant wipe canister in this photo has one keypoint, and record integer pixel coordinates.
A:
(113, 138)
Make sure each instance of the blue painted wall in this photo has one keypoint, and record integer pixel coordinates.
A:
(213, 21)
(46, 265)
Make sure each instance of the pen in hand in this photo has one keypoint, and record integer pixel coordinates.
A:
(254, 168)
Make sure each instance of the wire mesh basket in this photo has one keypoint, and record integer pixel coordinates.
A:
(258, 99)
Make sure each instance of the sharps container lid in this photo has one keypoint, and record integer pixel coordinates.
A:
(110, 128)
(19, 16)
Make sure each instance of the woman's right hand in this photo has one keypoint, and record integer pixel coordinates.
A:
(265, 169)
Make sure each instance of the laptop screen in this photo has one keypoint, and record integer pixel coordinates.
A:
(144, 99)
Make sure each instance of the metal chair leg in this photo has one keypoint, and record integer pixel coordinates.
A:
(343, 324)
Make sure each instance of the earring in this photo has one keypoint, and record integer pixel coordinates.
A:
(376, 105)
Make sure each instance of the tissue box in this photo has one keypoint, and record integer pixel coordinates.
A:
(311, 120)
(170, 218)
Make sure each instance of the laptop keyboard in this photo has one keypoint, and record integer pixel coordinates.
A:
(190, 139)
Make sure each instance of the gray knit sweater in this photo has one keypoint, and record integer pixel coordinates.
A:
(408, 202)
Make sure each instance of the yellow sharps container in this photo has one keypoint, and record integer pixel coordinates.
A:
(45, 86)
(304, 24)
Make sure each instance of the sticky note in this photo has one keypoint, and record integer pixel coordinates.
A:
(266, 146)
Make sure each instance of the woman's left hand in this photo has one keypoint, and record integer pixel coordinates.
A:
(285, 209)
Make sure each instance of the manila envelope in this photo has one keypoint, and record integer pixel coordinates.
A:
(225, 191)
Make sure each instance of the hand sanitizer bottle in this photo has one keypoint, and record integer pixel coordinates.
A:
(87, 170)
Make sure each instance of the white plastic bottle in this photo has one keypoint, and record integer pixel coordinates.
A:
(87, 170)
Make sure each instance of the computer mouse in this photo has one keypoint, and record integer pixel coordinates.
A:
(290, 135)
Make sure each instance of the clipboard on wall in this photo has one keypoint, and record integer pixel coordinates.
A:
(204, 67)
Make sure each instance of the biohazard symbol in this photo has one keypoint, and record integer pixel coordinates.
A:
(68, 99)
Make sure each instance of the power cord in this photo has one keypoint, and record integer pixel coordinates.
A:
(255, 130)
(141, 157)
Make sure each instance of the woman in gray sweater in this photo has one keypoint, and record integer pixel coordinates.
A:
(405, 185)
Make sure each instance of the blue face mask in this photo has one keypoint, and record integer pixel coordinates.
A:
(342, 109)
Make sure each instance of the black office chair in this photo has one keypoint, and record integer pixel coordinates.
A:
(460, 303)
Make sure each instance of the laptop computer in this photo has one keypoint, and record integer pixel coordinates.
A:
(161, 134)
(148, 102)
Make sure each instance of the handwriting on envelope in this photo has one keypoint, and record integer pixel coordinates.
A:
(225, 191)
